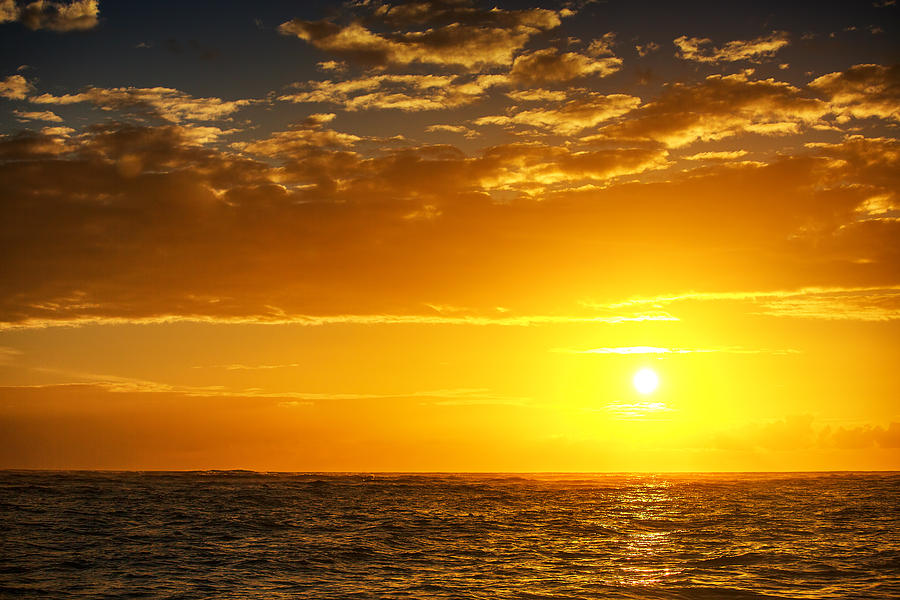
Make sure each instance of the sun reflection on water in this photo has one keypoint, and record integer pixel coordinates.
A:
(651, 522)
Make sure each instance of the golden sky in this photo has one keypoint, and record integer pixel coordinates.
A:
(445, 236)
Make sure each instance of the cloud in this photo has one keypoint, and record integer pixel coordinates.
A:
(15, 87)
(702, 50)
(114, 384)
(549, 65)
(148, 196)
(435, 33)
(302, 137)
(639, 411)
(871, 162)
(294, 142)
(719, 107)
(314, 320)
(869, 305)
(165, 103)
(795, 432)
(29, 145)
(537, 95)
(242, 367)
(572, 117)
(720, 155)
(461, 129)
(858, 304)
(38, 116)
(127, 223)
(399, 92)
(603, 46)
(409, 92)
(646, 49)
(862, 91)
(597, 165)
(628, 350)
(432, 174)
(799, 432)
(8, 11)
(76, 15)
(332, 65)
(63, 132)
(135, 149)
(860, 436)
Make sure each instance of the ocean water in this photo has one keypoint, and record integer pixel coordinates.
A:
(321, 536)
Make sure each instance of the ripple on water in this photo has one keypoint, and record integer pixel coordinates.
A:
(240, 534)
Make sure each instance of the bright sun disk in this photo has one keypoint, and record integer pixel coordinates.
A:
(645, 381)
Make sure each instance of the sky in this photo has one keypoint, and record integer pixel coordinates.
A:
(445, 235)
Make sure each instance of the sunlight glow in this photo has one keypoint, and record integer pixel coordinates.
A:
(645, 381)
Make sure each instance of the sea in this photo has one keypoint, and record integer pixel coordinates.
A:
(240, 534)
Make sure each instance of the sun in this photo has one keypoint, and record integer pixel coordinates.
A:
(645, 381)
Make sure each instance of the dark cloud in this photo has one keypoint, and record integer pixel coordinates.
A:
(192, 47)
(56, 16)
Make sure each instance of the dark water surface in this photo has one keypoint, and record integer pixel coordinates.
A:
(260, 535)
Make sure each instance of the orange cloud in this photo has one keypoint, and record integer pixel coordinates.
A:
(549, 65)
(38, 116)
(15, 87)
(137, 223)
(603, 46)
(472, 39)
(719, 107)
(461, 129)
(537, 95)
(721, 155)
(702, 50)
(569, 118)
(400, 92)
(299, 138)
(165, 103)
(862, 91)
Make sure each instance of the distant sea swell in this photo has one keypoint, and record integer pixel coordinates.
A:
(566, 536)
